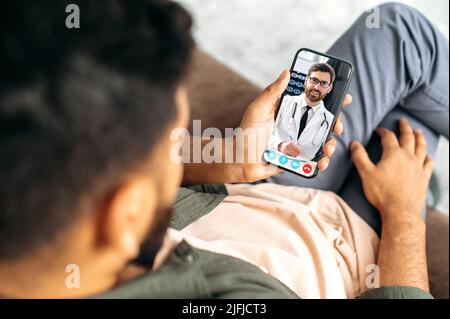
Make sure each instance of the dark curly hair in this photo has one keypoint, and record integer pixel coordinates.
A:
(79, 108)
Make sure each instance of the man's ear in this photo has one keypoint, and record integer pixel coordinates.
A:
(127, 216)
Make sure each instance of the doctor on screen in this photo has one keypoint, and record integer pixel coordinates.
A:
(303, 122)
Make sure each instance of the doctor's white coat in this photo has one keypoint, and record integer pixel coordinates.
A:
(287, 126)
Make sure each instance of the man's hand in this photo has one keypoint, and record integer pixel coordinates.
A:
(397, 187)
(260, 115)
(398, 183)
(260, 118)
(289, 148)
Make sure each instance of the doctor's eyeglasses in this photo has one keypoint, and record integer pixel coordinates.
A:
(314, 81)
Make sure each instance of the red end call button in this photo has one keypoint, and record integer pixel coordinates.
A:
(307, 169)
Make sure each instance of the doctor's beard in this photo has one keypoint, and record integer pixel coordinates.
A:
(314, 99)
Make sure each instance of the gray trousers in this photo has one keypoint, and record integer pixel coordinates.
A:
(401, 69)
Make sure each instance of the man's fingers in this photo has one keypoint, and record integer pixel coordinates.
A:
(421, 144)
(261, 171)
(324, 163)
(428, 166)
(338, 127)
(361, 158)
(347, 100)
(388, 138)
(268, 169)
(330, 147)
(407, 138)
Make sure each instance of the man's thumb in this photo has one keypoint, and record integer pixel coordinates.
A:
(274, 91)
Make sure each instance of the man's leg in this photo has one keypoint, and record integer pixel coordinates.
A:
(352, 190)
(403, 63)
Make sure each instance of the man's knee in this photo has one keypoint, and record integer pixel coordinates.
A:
(389, 17)
(398, 13)
(399, 19)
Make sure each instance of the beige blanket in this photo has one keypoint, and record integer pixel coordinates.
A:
(308, 239)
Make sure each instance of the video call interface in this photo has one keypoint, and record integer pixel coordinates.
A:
(307, 112)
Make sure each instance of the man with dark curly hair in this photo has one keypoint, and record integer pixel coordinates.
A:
(88, 181)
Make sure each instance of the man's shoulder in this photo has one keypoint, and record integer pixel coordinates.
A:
(194, 273)
(194, 202)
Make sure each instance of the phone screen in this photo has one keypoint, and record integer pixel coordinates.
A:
(308, 110)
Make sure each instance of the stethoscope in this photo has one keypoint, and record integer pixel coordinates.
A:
(325, 123)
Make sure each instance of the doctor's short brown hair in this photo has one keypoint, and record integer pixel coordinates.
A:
(323, 67)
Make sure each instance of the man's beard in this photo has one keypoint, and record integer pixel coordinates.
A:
(314, 99)
(153, 242)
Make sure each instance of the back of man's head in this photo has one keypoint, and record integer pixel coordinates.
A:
(80, 107)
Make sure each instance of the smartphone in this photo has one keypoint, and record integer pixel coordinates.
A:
(308, 111)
